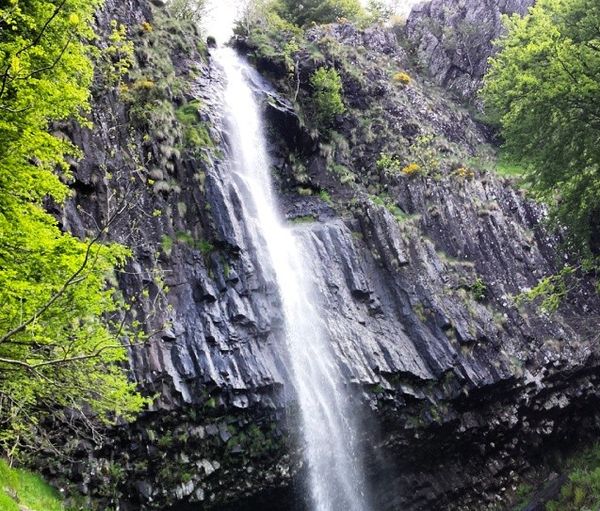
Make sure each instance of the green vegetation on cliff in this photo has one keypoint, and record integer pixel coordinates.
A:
(543, 89)
(21, 490)
(582, 489)
(327, 95)
(60, 324)
(319, 11)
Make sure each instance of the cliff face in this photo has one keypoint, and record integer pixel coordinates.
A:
(452, 39)
(462, 391)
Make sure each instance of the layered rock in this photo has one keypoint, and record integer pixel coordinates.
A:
(461, 391)
(453, 39)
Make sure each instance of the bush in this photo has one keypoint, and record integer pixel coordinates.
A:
(582, 490)
(191, 10)
(479, 289)
(319, 11)
(389, 164)
(196, 135)
(327, 95)
(412, 169)
(402, 78)
(464, 172)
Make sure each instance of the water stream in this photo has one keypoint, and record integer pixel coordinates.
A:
(334, 473)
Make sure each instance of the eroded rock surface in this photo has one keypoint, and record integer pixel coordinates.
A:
(462, 391)
(453, 39)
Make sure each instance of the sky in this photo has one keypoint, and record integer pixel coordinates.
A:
(221, 15)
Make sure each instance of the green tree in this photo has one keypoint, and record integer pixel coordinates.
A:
(380, 11)
(320, 11)
(543, 89)
(327, 95)
(187, 9)
(60, 323)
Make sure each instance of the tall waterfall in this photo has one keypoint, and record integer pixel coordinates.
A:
(334, 472)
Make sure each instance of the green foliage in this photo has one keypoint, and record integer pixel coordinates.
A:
(380, 11)
(204, 246)
(155, 85)
(389, 164)
(188, 113)
(325, 196)
(582, 491)
(425, 153)
(387, 202)
(499, 164)
(320, 11)
(543, 89)
(402, 77)
(166, 243)
(272, 36)
(345, 175)
(479, 289)
(422, 150)
(196, 134)
(305, 219)
(58, 343)
(550, 292)
(509, 168)
(327, 95)
(115, 60)
(154, 78)
(31, 492)
(190, 10)
(423, 157)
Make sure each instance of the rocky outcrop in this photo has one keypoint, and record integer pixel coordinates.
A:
(461, 391)
(453, 39)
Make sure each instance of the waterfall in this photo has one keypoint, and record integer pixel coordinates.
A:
(334, 472)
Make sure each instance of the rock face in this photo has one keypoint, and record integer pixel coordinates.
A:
(462, 392)
(452, 39)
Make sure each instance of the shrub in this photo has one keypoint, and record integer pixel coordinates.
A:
(412, 169)
(320, 11)
(464, 172)
(325, 196)
(551, 291)
(402, 78)
(327, 95)
(190, 10)
(479, 289)
(143, 84)
(379, 11)
(425, 150)
(389, 164)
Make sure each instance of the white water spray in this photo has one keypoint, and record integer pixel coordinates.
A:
(334, 472)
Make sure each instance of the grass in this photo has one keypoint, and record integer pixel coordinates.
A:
(388, 203)
(305, 219)
(507, 168)
(501, 165)
(582, 490)
(31, 492)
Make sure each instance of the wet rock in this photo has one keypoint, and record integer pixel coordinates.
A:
(144, 488)
(462, 392)
(184, 490)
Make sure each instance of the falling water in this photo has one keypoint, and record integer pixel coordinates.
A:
(334, 473)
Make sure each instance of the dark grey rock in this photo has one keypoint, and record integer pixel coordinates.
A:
(453, 39)
(461, 395)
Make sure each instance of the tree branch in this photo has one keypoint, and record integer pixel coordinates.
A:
(35, 42)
